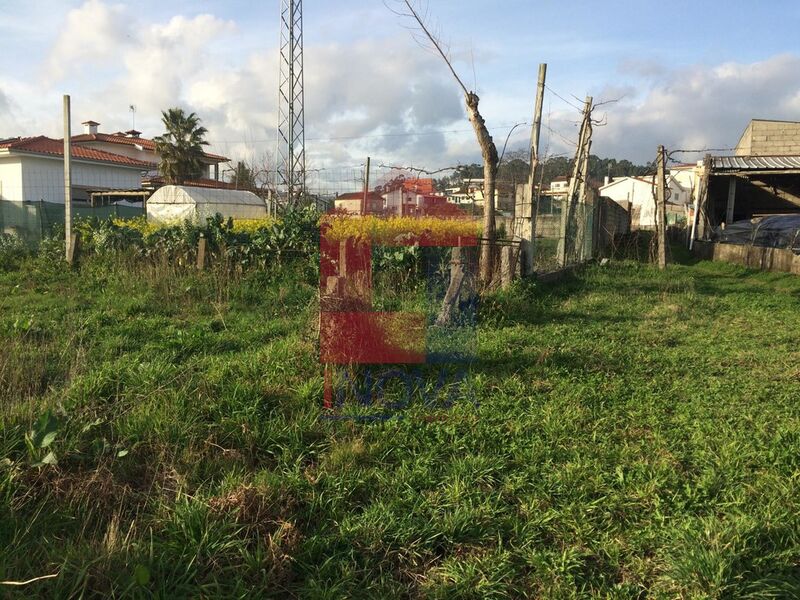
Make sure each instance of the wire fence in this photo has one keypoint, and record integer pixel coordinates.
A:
(32, 221)
(31, 206)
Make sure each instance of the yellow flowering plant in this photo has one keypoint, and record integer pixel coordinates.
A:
(399, 230)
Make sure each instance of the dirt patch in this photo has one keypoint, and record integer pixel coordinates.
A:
(265, 516)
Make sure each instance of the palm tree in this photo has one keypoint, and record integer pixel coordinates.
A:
(181, 147)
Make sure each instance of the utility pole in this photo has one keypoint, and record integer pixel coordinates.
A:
(528, 221)
(68, 247)
(661, 210)
(579, 174)
(365, 200)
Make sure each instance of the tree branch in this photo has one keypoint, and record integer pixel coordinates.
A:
(433, 39)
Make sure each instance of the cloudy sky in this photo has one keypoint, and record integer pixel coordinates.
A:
(685, 74)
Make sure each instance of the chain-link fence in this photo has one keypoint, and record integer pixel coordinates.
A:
(564, 235)
(559, 243)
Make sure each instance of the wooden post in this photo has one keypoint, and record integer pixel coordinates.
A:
(453, 289)
(201, 252)
(506, 265)
(343, 258)
(661, 210)
(731, 199)
(528, 221)
(68, 250)
(365, 201)
(73, 248)
(699, 201)
(564, 249)
(582, 199)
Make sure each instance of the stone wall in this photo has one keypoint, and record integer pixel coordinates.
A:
(754, 257)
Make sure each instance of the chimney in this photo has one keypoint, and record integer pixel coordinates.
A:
(90, 127)
(132, 133)
(606, 180)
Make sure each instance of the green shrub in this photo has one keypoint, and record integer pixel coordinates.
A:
(13, 251)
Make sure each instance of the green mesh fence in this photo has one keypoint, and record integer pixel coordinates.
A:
(549, 246)
(31, 221)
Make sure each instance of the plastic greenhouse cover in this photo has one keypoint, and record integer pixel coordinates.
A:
(177, 203)
(776, 231)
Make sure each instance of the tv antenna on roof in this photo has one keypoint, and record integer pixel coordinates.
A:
(132, 108)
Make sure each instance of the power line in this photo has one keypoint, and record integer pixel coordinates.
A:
(375, 135)
(566, 140)
(557, 95)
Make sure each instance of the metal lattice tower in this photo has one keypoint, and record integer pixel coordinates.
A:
(291, 153)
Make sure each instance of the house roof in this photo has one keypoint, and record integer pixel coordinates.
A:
(755, 163)
(419, 185)
(121, 138)
(51, 147)
(374, 196)
(617, 180)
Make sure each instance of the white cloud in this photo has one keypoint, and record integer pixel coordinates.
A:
(92, 35)
(352, 90)
(700, 107)
(385, 88)
(166, 58)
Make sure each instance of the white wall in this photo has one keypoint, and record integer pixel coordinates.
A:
(638, 193)
(10, 179)
(353, 207)
(43, 178)
(394, 200)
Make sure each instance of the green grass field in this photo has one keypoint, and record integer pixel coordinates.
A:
(637, 435)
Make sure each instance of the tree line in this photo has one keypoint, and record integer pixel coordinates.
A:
(515, 168)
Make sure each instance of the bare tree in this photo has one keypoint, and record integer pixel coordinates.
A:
(488, 148)
(260, 177)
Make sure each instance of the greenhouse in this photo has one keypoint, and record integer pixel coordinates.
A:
(174, 203)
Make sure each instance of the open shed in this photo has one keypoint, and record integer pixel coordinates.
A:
(745, 187)
(176, 203)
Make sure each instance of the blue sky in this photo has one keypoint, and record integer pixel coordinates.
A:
(687, 74)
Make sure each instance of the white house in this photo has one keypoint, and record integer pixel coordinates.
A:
(32, 169)
(639, 191)
(471, 192)
(559, 185)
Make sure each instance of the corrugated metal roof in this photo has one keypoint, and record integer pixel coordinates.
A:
(755, 163)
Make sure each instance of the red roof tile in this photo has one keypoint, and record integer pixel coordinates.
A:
(121, 138)
(49, 146)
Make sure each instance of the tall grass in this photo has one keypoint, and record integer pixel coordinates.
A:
(635, 435)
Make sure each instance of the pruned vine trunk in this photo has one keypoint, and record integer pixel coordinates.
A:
(488, 149)
(490, 160)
